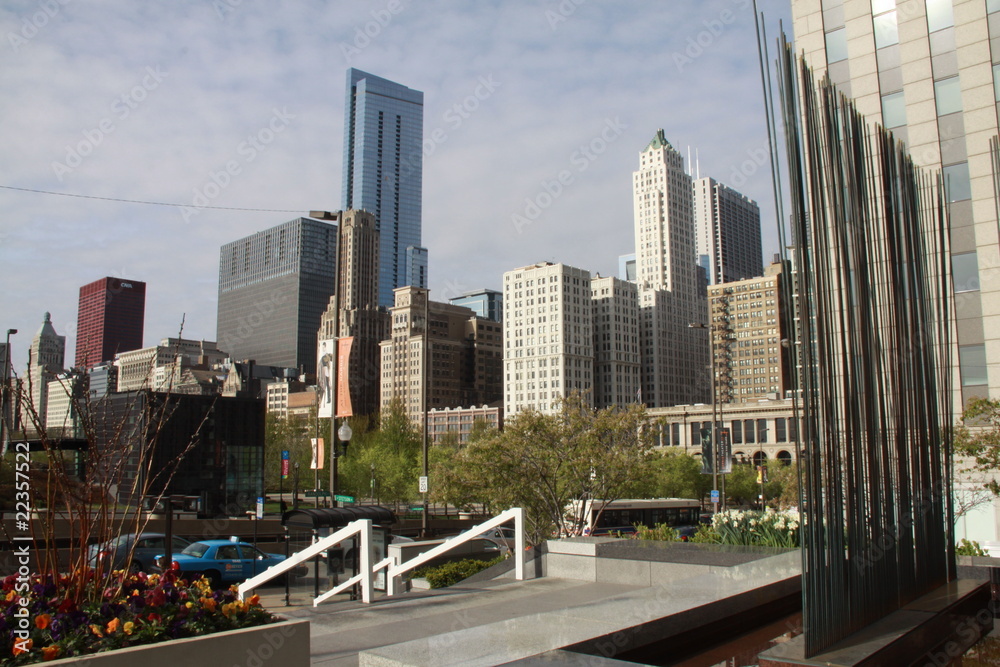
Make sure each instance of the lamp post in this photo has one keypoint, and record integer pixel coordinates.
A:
(714, 439)
(343, 434)
(5, 393)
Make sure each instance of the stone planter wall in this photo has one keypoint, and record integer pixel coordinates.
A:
(277, 645)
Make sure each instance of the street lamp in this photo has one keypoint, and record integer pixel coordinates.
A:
(714, 439)
(344, 434)
(5, 393)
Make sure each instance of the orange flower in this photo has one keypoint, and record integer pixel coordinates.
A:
(51, 652)
(208, 603)
(114, 625)
(254, 600)
(96, 630)
(22, 646)
(42, 621)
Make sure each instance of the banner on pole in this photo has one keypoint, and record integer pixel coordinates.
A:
(344, 408)
(316, 463)
(284, 464)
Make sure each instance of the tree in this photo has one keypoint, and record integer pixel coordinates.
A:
(678, 475)
(977, 445)
(394, 449)
(542, 462)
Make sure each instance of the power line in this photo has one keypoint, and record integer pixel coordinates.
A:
(152, 203)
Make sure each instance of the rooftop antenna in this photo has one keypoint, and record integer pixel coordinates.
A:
(688, 166)
(697, 164)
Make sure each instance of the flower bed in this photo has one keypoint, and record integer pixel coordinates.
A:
(44, 619)
(766, 529)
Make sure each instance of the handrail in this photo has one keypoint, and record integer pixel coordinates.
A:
(363, 526)
(393, 582)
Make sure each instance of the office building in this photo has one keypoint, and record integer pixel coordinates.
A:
(727, 225)
(750, 363)
(363, 324)
(460, 422)
(164, 367)
(617, 362)
(109, 320)
(383, 173)
(486, 303)
(926, 69)
(273, 287)
(465, 356)
(674, 358)
(626, 267)
(48, 353)
(548, 337)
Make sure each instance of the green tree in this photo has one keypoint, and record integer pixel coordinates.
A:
(678, 475)
(394, 449)
(542, 462)
(977, 450)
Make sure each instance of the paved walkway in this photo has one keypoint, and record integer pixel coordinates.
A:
(502, 621)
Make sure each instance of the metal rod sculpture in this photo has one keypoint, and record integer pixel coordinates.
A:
(872, 274)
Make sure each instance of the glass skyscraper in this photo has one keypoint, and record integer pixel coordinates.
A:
(383, 173)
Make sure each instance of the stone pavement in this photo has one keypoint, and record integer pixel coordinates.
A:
(506, 621)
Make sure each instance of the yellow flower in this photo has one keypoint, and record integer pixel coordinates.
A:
(188, 604)
(254, 600)
(129, 626)
(96, 630)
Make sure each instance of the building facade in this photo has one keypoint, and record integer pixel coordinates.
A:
(383, 173)
(465, 356)
(727, 225)
(674, 359)
(360, 318)
(927, 70)
(109, 320)
(485, 303)
(162, 367)
(548, 337)
(460, 421)
(48, 354)
(273, 287)
(617, 361)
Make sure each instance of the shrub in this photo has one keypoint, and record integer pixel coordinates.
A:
(766, 529)
(967, 548)
(660, 532)
(706, 535)
(449, 574)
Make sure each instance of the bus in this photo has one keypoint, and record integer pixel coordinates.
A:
(649, 512)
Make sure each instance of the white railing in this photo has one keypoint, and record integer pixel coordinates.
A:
(394, 583)
(363, 527)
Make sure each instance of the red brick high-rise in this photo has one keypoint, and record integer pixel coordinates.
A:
(109, 320)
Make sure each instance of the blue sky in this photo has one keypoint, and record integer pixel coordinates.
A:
(153, 101)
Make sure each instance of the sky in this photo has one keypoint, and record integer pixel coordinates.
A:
(239, 104)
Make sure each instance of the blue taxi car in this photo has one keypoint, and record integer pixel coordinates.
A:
(223, 561)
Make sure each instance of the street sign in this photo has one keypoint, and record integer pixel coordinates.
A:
(260, 507)
(344, 499)
(715, 496)
(423, 484)
(319, 494)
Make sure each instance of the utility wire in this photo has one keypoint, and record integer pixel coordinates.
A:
(152, 203)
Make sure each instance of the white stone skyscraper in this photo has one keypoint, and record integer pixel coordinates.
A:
(48, 353)
(674, 357)
(727, 225)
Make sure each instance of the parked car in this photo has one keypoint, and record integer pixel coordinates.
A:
(685, 533)
(503, 536)
(112, 555)
(224, 561)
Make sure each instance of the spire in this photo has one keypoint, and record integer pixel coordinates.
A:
(46, 329)
(659, 141)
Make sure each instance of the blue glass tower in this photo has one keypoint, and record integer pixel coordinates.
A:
(383, 173)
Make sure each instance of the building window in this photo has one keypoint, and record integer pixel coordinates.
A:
(836, 45)
(779, 430)
(886, 31)
(956, 181)
(972, 360)
(948, 94)
(939, 15)
(965, 272)
(992, 6)
(893, 110)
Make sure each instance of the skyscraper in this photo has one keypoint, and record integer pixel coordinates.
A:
(925, 69)
(674, 359)
(273, 287)
(383, 173)
(727, 225)
(617, 362)
(48, 354)
(109, 320)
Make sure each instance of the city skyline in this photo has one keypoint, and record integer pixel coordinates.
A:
(530, 131)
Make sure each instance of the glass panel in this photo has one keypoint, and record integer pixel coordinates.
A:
(948, 94)
(737, 428)
(879, 6)
(893, 110)
(761, 431)
(965, 272)
(836, 46)
(779, 430)
(992, 6)
(749, 429)
(972, 359)
(996, 81)
(886, 32)
(956, 180)
(939, 15)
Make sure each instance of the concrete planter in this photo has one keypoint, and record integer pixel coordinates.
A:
(277, 644)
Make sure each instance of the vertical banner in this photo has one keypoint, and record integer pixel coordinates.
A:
(284, 464)
(344, 408)
(324, 378)
(707, 453)
(725, 452)
(316, 463)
